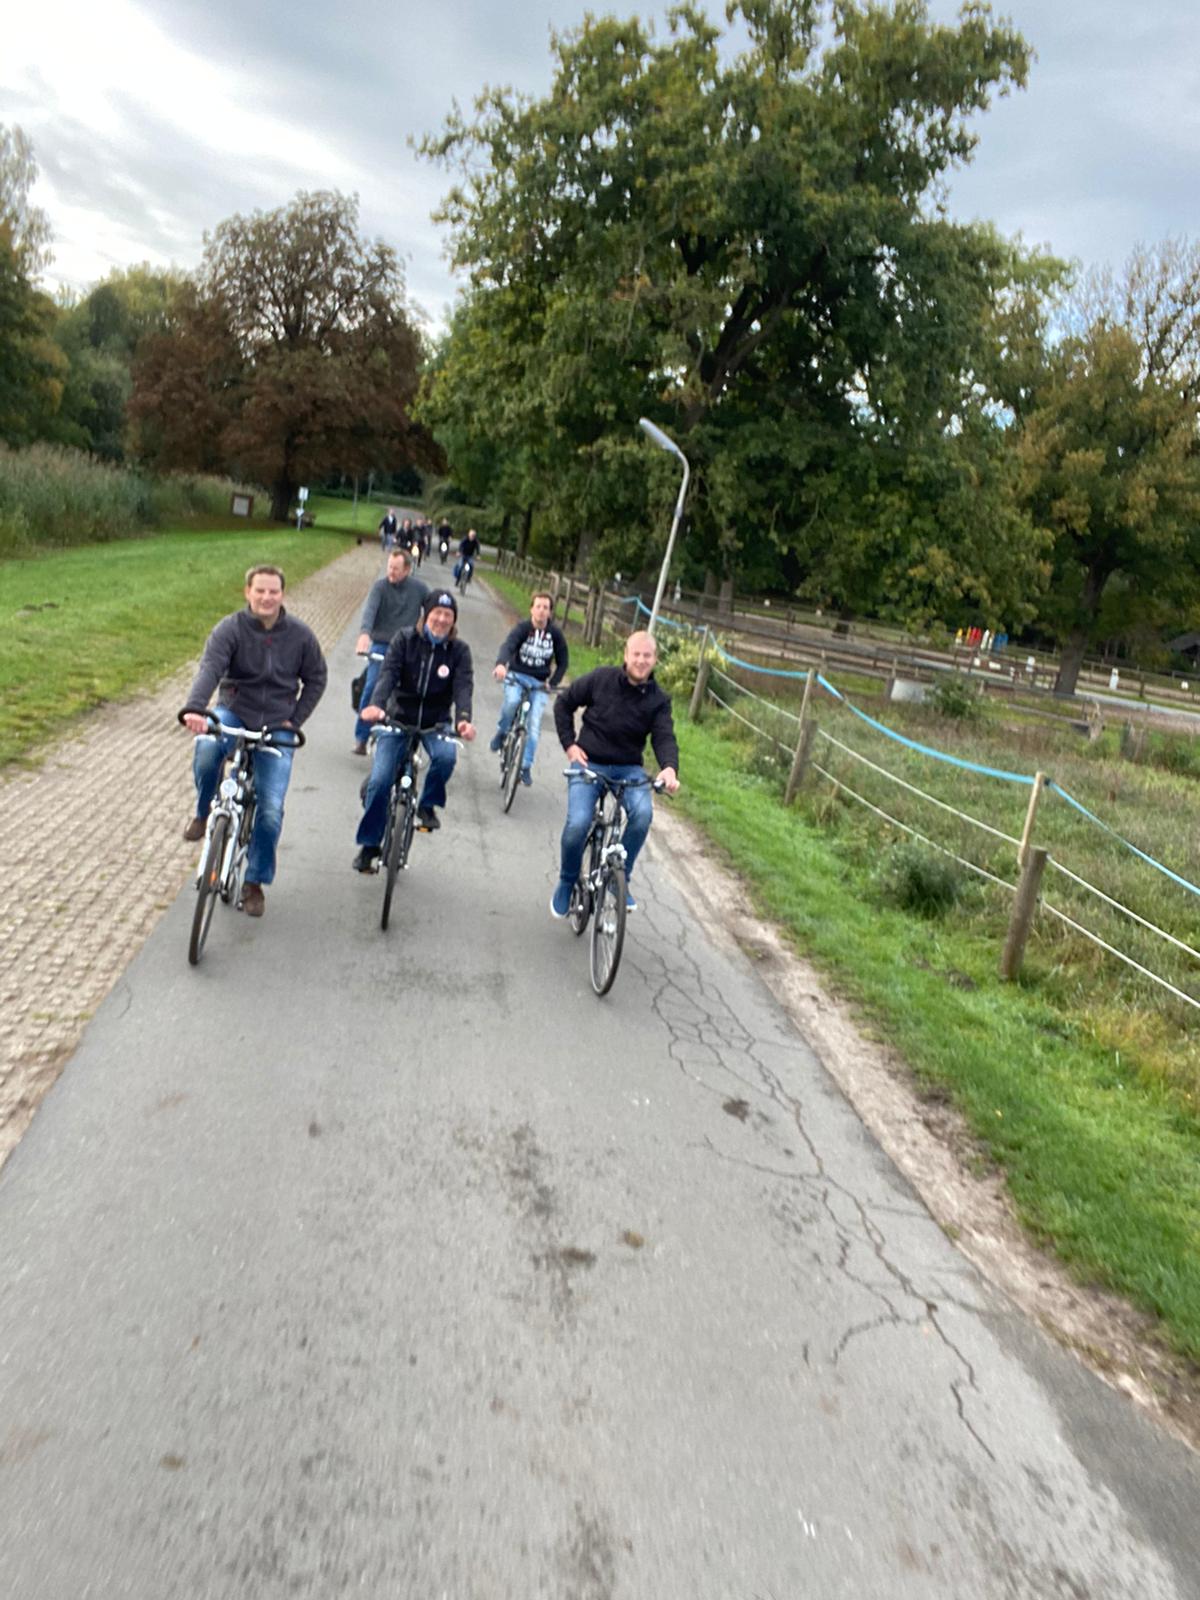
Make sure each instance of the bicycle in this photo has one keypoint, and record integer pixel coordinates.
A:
(222, 868)
(464, 576)
(600, 894)
(512, 751)
(401, 821)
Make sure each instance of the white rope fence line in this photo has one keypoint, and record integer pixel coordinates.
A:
(965, 816)
(971, 866)
(1117, 906)
(913, 832)
(770, 704)
(761, 731)
(1120, 955)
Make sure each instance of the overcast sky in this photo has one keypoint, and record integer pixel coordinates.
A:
(152, 120)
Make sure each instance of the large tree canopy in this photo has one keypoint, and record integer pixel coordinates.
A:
(291, 354)
(755, 256)
(1112, 475)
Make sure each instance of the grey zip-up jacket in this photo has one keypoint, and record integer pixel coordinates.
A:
(268, 676)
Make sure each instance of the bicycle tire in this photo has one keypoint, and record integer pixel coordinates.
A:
(608, 929)
(208, 886)
(516, 754)
(580, 909)
(393, 851)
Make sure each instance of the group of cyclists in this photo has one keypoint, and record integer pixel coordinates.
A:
(420, 538)
(267, 670)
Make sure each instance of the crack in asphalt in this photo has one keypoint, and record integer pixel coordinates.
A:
(700, 1023)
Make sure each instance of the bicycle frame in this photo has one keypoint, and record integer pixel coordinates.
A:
(230, 822)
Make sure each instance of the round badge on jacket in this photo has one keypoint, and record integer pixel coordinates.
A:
(443, 671)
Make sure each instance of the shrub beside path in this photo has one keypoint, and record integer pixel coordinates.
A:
(92, 853)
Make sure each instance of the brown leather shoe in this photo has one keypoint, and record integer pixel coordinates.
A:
(195, 829)
(360, 749)
(254, 902)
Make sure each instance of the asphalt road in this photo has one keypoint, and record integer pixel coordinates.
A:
(398, 1265)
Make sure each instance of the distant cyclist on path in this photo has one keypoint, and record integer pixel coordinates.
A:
(271, 674)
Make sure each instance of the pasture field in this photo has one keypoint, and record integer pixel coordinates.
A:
(100, 622)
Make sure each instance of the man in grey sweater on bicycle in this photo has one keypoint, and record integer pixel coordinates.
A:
(393, 605)
(622, 708)
(271, 673)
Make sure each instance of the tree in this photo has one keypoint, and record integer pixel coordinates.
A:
(1156, 298)
(99, 335)
(32, 368)
(753, 255)
(28, 225)
(1111, 473)
(290, 355)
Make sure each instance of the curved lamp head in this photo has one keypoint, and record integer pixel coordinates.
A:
(653, 431)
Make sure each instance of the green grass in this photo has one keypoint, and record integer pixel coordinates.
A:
(96, 624)
(334, 513)
(1101, 1161)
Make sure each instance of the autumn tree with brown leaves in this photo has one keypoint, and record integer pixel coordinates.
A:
(291, 354)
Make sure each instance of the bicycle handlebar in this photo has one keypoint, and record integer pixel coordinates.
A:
(246, 735)
(590, 776)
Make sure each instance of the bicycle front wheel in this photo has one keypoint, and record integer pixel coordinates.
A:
(515, 751)
(208, 886)
(394, 853)
(608, 929)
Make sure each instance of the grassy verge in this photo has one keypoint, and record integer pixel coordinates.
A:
(1098, 1143)
(105, 620)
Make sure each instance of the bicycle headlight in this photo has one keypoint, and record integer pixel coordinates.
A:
(229, 788)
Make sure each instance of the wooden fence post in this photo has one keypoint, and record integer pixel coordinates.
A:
(1021, 921)
(800, 760)
(700, 687)
(1039, 783)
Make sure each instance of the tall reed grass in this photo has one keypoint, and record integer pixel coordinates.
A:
(51, 497)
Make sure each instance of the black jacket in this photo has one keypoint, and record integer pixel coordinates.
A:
(618, 717)
(268, 676)
(420, 682)
(531, 651)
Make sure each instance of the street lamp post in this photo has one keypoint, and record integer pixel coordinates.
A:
(665, 443)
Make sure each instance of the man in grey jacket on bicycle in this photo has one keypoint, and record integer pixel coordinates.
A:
(271, 673)
(393, 606)
(622, 708)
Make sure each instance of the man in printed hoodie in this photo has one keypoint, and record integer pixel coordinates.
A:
(533, 657)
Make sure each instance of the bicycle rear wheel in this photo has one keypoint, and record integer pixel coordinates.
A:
(608, 928)
(208, 886)
(514, 747)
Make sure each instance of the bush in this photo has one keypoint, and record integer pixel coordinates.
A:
(918, 879)
(55, 497)
(956, 697)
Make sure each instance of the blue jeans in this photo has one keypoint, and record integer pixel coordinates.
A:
(272, 773)
(362, 730)
(581, 802)
(514, 683)
(390, 750)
